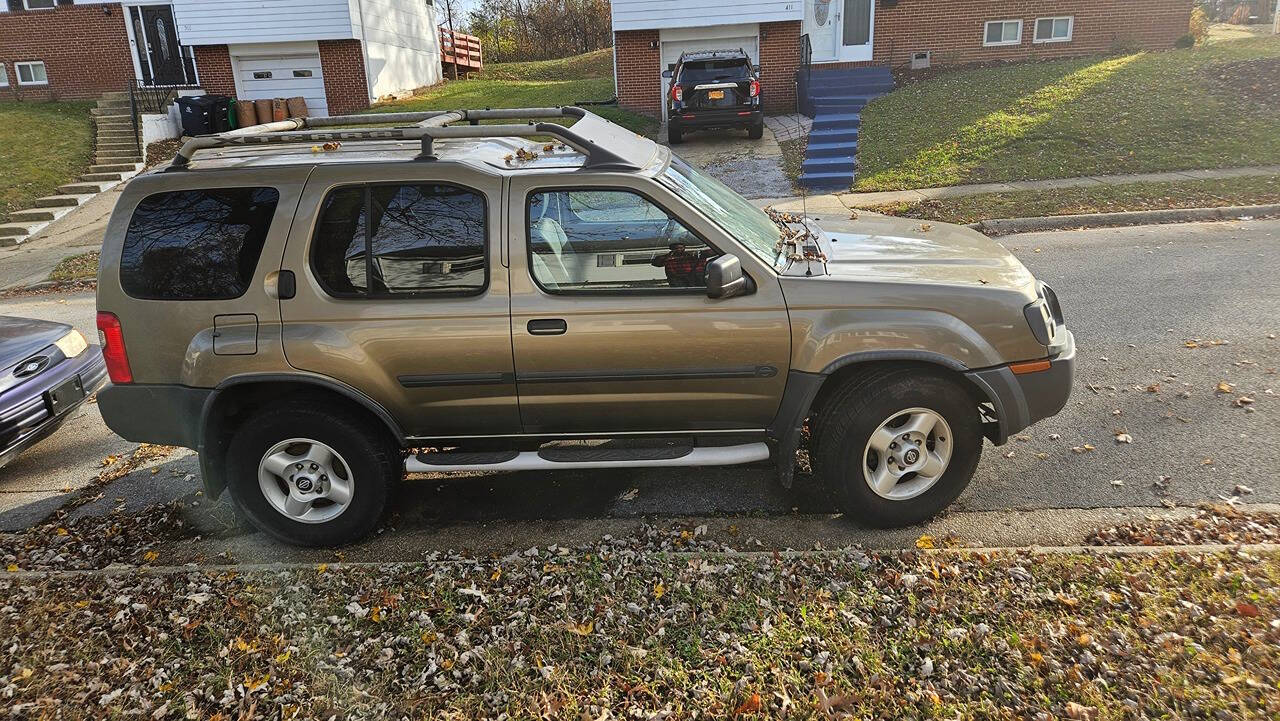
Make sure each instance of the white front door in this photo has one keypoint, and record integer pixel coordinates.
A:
(840, 30)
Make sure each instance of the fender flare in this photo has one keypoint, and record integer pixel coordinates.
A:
(803, 387)
(211, 458)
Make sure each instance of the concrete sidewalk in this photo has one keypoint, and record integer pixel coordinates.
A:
(834, 202)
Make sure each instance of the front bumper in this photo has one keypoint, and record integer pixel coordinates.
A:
(740, 117)
(26, 414)
(1021, 400)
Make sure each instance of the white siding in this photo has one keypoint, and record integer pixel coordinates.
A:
(213, 22)
(401, 42)
(658, 14)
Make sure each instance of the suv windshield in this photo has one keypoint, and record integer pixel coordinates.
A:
(698, 71)
(745, 222)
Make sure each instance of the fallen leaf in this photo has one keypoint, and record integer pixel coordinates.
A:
(1081, 712)
(1247, 609)
(1225, 387)
(751, 705)
(580, 629)
(1124, 438)
(1153, 388)
(1242, 401)
(150, 556)
(659, 589)
(629, 495)
(924, 541)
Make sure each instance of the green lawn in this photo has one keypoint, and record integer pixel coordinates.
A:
(533, 84)
(1094, 199)
(42, 146)
(1086, 116)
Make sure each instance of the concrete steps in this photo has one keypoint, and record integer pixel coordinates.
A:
(115, 159)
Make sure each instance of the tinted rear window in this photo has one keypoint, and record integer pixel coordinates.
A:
(196, 244)
(704, 70)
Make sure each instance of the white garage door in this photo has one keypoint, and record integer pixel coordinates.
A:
(671, 53)
(264, 76)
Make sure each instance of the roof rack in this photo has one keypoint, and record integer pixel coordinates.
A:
(605, 145)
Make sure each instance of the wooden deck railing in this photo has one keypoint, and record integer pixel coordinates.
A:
(460, 50)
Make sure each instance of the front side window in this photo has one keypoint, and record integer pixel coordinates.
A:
(611, 240)
(401, 241)
(1003, 32)
(1054, 30)
(32, 73)
(196, 244)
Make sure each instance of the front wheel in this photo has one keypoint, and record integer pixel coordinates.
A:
(896, 446)
(310, 476)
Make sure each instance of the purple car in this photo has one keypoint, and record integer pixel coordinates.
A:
(46, 370)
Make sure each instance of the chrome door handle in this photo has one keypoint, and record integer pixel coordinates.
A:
(547, 326)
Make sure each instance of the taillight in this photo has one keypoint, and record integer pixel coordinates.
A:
(755, 88)
(677, 93)
(112, 337)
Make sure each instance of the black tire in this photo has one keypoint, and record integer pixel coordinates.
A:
(755, 132)
(847, 420)
(373, 462)
(675, 136)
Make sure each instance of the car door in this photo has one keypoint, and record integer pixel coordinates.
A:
(401, 294)
(609, 336)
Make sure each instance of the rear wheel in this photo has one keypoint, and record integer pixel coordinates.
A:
(755, 132)
(311, 477)
(674, 135)
(896, 446)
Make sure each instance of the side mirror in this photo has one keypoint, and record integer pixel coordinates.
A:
(725, 278)
(671, 66)
(666, 73)
(756, 68)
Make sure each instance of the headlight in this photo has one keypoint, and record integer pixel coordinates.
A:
(72, 344)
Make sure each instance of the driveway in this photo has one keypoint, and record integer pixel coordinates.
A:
(751, 167)
(1134, 297)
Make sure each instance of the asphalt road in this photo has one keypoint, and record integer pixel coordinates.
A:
(1133, 297)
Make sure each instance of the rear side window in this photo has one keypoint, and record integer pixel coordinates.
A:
(698, 71)
(196, 244)
(401, 241)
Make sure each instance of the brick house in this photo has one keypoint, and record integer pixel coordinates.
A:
(338, 54)
(845, 34)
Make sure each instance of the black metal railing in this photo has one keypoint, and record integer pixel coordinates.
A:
(148, 99)
(803, 73)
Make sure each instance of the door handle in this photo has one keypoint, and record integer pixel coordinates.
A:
(547, 326)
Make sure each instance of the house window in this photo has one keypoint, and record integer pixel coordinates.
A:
(1003, 32)
(31, 73)
(1054, 30)
(4, 75)
(38, 4)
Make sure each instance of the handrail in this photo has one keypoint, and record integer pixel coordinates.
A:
(427, 127)
(803, 75)
(148, 99)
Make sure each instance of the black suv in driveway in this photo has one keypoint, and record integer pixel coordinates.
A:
(713, 89)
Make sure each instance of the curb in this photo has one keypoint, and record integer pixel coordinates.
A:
(117, 570)
(1008, 226)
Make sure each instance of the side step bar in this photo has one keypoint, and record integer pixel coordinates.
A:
(588, 458)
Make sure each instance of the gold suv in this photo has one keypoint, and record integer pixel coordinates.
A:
(309, 307)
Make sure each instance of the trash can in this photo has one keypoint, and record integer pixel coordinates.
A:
(199, 113)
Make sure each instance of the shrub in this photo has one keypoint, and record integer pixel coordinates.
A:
(1186, 41)
(1199, 28)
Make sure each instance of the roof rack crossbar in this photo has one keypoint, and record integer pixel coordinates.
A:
(428, 126)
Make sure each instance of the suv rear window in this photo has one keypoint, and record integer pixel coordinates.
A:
(196, 244)
(698, 71)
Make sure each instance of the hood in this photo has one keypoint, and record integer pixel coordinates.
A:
(20, 337)
(888, 249)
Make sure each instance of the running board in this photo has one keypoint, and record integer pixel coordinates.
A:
(589, 458)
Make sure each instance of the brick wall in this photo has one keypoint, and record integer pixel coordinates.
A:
(85, 49)
(345, 87)
(639, 71)
(213, 65)
(953, 30)
(779, 58)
